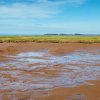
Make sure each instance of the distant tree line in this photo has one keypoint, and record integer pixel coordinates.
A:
(61, 34)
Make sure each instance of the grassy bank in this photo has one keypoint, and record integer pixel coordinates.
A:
(51, 39)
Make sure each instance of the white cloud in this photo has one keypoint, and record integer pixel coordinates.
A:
(24, 11)
(20, 17)
(39, 9)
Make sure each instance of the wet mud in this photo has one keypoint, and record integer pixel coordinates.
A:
(50, 73)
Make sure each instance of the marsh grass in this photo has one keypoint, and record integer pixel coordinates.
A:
(51, 39)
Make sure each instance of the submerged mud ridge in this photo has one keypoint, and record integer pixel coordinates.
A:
(38, 72)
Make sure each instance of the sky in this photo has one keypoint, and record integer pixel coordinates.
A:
(25, 17)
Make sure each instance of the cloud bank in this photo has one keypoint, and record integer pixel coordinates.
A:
(33, 8)
(26, 16)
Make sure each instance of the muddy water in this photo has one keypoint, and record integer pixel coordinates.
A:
(39, 72)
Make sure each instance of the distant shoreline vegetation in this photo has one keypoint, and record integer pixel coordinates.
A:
(73, 34)
(52, 38)
(50, 34)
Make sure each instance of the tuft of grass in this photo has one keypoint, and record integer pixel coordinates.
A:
(51, 39)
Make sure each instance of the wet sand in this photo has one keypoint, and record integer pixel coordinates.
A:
(58, 67)
(92, 92)
(55, 48)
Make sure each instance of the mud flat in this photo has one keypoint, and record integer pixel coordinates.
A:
(49, 71)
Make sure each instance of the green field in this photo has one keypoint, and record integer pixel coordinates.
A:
(51, 39)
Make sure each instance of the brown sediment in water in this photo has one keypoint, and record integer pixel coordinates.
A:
(91, 91)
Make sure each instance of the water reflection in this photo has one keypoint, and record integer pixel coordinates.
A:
(43, 71)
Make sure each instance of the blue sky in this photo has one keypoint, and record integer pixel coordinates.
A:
(49, 16)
